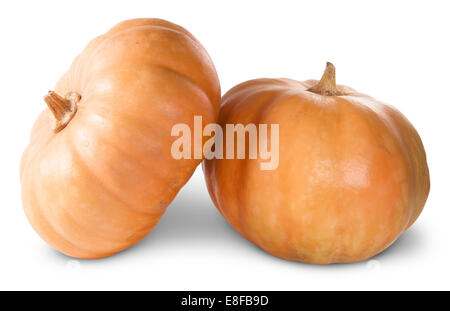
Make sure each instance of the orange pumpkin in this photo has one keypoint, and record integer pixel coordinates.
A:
(352, 173)
(98, 173)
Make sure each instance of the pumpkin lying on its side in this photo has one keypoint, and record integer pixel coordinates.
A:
(352, 172)
(98, 172)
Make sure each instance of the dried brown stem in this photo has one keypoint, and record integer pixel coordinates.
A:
(327, 85)
(62, 108)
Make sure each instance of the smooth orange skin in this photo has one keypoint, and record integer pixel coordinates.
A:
(352, 173)
(103, 182)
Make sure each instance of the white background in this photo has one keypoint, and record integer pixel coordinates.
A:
(396, 51)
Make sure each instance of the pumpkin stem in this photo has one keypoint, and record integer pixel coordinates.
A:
(62, 108)
(327, 85)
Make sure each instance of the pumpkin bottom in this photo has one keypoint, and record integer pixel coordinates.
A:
(86, 249)
(324, 260)
(83, 254)
(323, 236)
(321, 253)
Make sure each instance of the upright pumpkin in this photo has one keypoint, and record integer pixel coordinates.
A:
(352, 172)
(98, 172)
